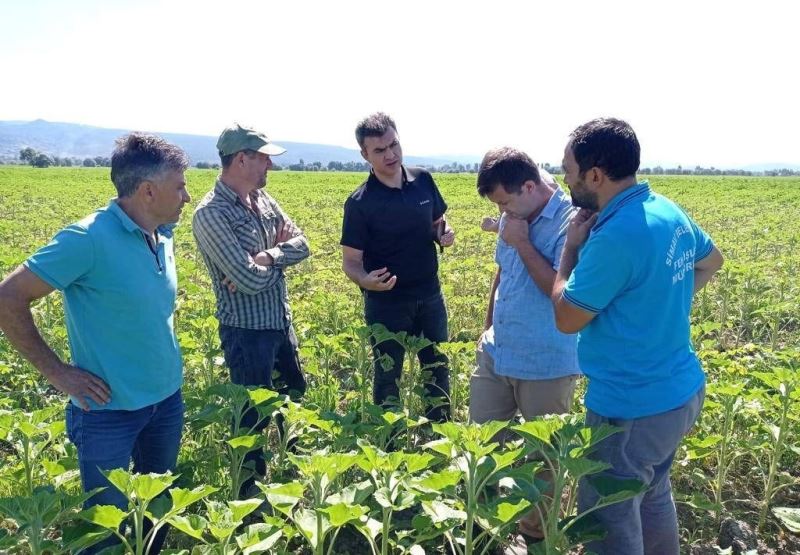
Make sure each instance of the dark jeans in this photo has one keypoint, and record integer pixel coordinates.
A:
(251, 357)
(426, 317)
(108, 439)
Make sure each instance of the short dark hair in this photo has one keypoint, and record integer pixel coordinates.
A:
(375, 125)
(141, 156)
(227, 159)
(508, 167)
(609, 144)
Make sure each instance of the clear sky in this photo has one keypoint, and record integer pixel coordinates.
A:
(703, 81)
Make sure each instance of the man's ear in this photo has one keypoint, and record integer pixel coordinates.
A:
(595, 177)
(146, 189)
(364, 154)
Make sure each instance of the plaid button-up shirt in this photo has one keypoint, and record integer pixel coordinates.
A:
(229, 235)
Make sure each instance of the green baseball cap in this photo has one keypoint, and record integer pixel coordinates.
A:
(237, 138)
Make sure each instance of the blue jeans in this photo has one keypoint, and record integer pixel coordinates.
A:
(108, 439)
(252, 356)
(426, 317)
(643, 450)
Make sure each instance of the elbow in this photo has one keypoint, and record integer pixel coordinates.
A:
(245, 287)
(565, 326)
(564, 322)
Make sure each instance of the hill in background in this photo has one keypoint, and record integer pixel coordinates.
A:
(84, 141)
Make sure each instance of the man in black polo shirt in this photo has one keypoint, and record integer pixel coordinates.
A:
(391, 225)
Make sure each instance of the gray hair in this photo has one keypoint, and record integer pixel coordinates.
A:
(138, 157)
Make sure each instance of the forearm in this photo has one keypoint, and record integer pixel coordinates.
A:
(569, 259)
(354, 270)
(290, 252)
(702, 277)
(540, 270)
(250, 273)
(490, 308)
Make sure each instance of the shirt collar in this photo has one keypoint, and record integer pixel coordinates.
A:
(550, 209)
(408, 177)
(631, 194)
(131, 226)
(225, 192)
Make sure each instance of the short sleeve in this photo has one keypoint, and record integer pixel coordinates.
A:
(604, 270)
(65, 259)
(354, 226)
(703, 243)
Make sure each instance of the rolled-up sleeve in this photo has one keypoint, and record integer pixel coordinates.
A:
(292, 251)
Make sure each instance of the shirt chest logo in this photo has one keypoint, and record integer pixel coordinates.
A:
(426, 201)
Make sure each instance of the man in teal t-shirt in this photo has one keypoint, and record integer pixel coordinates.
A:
(629, 269)
(116, 271)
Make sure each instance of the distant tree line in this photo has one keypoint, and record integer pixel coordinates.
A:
(38, 159)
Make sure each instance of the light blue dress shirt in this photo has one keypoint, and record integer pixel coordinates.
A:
(523, 341)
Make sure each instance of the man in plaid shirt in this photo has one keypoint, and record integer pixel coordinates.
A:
(247, 242)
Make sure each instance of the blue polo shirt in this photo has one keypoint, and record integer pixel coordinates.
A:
(119, 300)
(523, 340)
(636, 273)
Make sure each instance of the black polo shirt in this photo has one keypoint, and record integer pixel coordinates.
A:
(394, 228)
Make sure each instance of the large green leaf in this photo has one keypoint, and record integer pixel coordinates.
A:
(240, 509)
(595, 434)
(80, 535)
(439, 511)
(354, 494)
(504, 511)
(539, 432)
(306, 521)
(258, 538)
(438, 481)
(120, 479)
(283, 497)
(263, 395)
(148, 486)
(182, 498)
(416, 462)
(789, 516)
(582, 466)
(614, 490)
(191, 525)
(442, 446)
(246, 443)
(107, 516)
(342, 513)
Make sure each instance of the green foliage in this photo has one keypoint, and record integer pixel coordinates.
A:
(334, 468)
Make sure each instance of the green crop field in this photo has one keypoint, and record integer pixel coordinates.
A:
(449, 488)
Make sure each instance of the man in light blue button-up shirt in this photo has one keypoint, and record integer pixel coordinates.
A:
(525, 365)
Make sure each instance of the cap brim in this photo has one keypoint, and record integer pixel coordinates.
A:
(272, 149)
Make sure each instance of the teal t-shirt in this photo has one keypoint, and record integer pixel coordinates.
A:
(636, 272)
(119, 299)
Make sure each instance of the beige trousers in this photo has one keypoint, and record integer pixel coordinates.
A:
(494, 397)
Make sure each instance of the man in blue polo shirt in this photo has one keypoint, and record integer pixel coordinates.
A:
(524, 364)
(630, 267)
(391, 225)
(116, 271)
